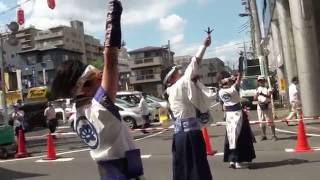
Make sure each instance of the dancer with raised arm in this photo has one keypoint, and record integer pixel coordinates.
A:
(98, 121)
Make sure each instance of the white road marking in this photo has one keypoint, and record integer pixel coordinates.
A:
(63, 127)
(75, 151)
(313, 148)
(219, 154)
(291, 132)
(56, 160)
(146, 156)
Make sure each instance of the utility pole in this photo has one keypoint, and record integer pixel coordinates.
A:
(307, 52)
(169, 53)
(3, 83)
(258, 37)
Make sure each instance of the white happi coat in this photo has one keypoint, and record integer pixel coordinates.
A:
(185, 95)
(100, 126)
(230, 96)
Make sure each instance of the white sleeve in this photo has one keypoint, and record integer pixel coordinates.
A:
(193, 68)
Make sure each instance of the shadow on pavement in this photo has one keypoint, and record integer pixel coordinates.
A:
(262, 165)
(7, 174)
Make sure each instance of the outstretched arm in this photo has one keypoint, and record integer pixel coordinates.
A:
(193, 68)
(110, 74)
(240, 71)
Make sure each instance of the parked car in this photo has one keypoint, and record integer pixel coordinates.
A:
(134, 97)
(130, 113)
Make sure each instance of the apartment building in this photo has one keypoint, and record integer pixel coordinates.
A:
(70, 38)
(124, 70)
(146, 65)
(209, 68)
(39, 52)
(93, 48)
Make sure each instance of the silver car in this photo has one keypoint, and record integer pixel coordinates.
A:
(130, 113)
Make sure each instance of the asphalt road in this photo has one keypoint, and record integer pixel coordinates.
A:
(74, 162)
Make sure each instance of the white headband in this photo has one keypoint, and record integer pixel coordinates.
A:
(83, 78)
(170, 73)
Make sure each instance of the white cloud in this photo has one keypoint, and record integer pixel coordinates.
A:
(177, 38)
(228, 52)
(172, 24)
(3, 7)
(172, 28)
(93, 12)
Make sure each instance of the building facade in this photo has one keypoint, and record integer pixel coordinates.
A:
(209, 68)
(292, 43)
(39, 52)
(146, 65)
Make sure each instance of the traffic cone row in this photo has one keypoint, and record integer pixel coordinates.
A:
(209, 149)
(22, 152)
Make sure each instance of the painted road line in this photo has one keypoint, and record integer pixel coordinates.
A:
(219, 154)
(152, 135)
(63, 127)
(71, 152)
(313, 148)
(56, 160)
(291, 132)
(146, 156)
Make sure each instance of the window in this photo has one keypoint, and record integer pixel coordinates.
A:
(12, 55)
(31, 60)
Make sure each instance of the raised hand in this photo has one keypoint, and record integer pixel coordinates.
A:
(113, 24)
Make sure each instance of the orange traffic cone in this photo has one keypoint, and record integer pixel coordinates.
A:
(21, 149)
(302, 142)
(51, 151)
(207, 141)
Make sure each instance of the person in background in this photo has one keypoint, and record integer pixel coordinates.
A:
(51, 119)
(263, 96)
(17, 118)
(295, 100)
(188, 146)
(145, 112)
(239, 139)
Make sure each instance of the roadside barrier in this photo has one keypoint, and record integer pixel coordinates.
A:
(223, 123)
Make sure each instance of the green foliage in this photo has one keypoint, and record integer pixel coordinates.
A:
(98, 63)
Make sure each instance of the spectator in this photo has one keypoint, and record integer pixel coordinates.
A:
(51, 119)
(263, 96)
(145, 113)
(295, 100)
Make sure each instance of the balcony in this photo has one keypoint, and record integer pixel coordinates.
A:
(48, 35)
(145, 62)
(145, 78)
(26, 46)
(21, 35)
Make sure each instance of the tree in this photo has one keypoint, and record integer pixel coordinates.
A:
(98, 63)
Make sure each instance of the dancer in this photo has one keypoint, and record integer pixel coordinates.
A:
(239, 139)
(98, 121)
(188, 146)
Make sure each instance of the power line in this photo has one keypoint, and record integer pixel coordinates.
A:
(14, 7)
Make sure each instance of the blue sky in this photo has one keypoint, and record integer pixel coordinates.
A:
(149, 22)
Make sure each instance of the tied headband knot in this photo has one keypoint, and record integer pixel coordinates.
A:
(85, 76)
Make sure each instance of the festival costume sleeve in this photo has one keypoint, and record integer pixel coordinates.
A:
(196, 91)
(110, 138)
